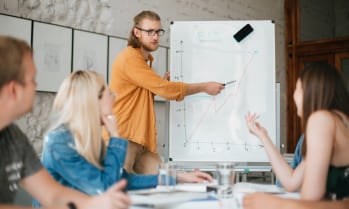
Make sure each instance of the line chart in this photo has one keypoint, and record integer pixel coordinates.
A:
(213, 128)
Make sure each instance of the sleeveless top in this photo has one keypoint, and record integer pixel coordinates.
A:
(337, 186)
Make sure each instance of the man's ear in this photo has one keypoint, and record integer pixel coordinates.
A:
(10, 90)
(136, 32)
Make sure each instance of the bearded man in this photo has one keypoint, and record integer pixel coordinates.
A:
(135, 83)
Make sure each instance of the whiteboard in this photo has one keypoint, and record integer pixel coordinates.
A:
(212, 128)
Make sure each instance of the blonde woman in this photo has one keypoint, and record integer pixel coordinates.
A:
(19, 164)
(74, 152)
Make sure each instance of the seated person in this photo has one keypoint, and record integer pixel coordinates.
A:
(19, 164)
(74, 152)
(322, 102)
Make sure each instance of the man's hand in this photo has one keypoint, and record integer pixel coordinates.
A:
(114, 198)
(213, 88)
(166, 76)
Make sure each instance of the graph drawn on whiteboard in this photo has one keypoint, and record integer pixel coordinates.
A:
(213, 128)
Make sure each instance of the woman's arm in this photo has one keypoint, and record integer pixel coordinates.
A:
(320, 135)
(65, 161)
(289, 178)
(259, 200)
(136, 181)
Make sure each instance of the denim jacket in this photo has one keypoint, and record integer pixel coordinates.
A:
(69, 168)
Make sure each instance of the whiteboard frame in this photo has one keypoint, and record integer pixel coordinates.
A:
(277, 105)
(247, 157)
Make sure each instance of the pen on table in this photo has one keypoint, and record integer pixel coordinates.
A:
(229, 82)
(144, 205)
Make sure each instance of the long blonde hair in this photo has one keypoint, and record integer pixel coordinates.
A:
(77, 106)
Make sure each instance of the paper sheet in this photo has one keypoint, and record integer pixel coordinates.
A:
(244, 187)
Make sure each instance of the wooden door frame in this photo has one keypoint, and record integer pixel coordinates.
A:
(297, 53)
(338, 57)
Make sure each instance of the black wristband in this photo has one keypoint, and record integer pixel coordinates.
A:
(71, 205)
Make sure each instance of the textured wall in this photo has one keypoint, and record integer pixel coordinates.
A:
(92, 15)
(114, 17)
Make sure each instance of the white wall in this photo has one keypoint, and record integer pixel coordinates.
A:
(114, 17)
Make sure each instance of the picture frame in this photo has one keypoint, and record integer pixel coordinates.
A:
(52, 45)
(116, 45)
(23, 29)
(90, 52)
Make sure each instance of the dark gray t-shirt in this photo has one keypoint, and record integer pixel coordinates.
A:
(17, 161)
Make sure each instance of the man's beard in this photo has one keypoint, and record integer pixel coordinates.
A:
(146, 47)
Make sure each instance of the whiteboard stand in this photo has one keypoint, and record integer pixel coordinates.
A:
(245, 168)
(241, 169)
(277, 107)
(206, 129)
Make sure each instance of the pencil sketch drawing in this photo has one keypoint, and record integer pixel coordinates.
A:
(51, 59)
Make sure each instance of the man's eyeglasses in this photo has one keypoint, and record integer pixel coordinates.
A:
(152, 32)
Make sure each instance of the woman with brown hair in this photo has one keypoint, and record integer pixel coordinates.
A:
(323, 105)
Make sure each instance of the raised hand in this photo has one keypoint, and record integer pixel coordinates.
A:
(254, 127)
(109, 122)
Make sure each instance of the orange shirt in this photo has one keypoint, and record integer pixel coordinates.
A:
(135, 84)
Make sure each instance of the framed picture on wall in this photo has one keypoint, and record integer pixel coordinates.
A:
(116, 45)
(160, 64)
(16, 27)
(53, 55)
(90, 52)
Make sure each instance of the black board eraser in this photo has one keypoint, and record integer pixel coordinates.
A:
(243, 32)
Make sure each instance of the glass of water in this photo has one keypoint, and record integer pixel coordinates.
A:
(225, 179)
(167, 175)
